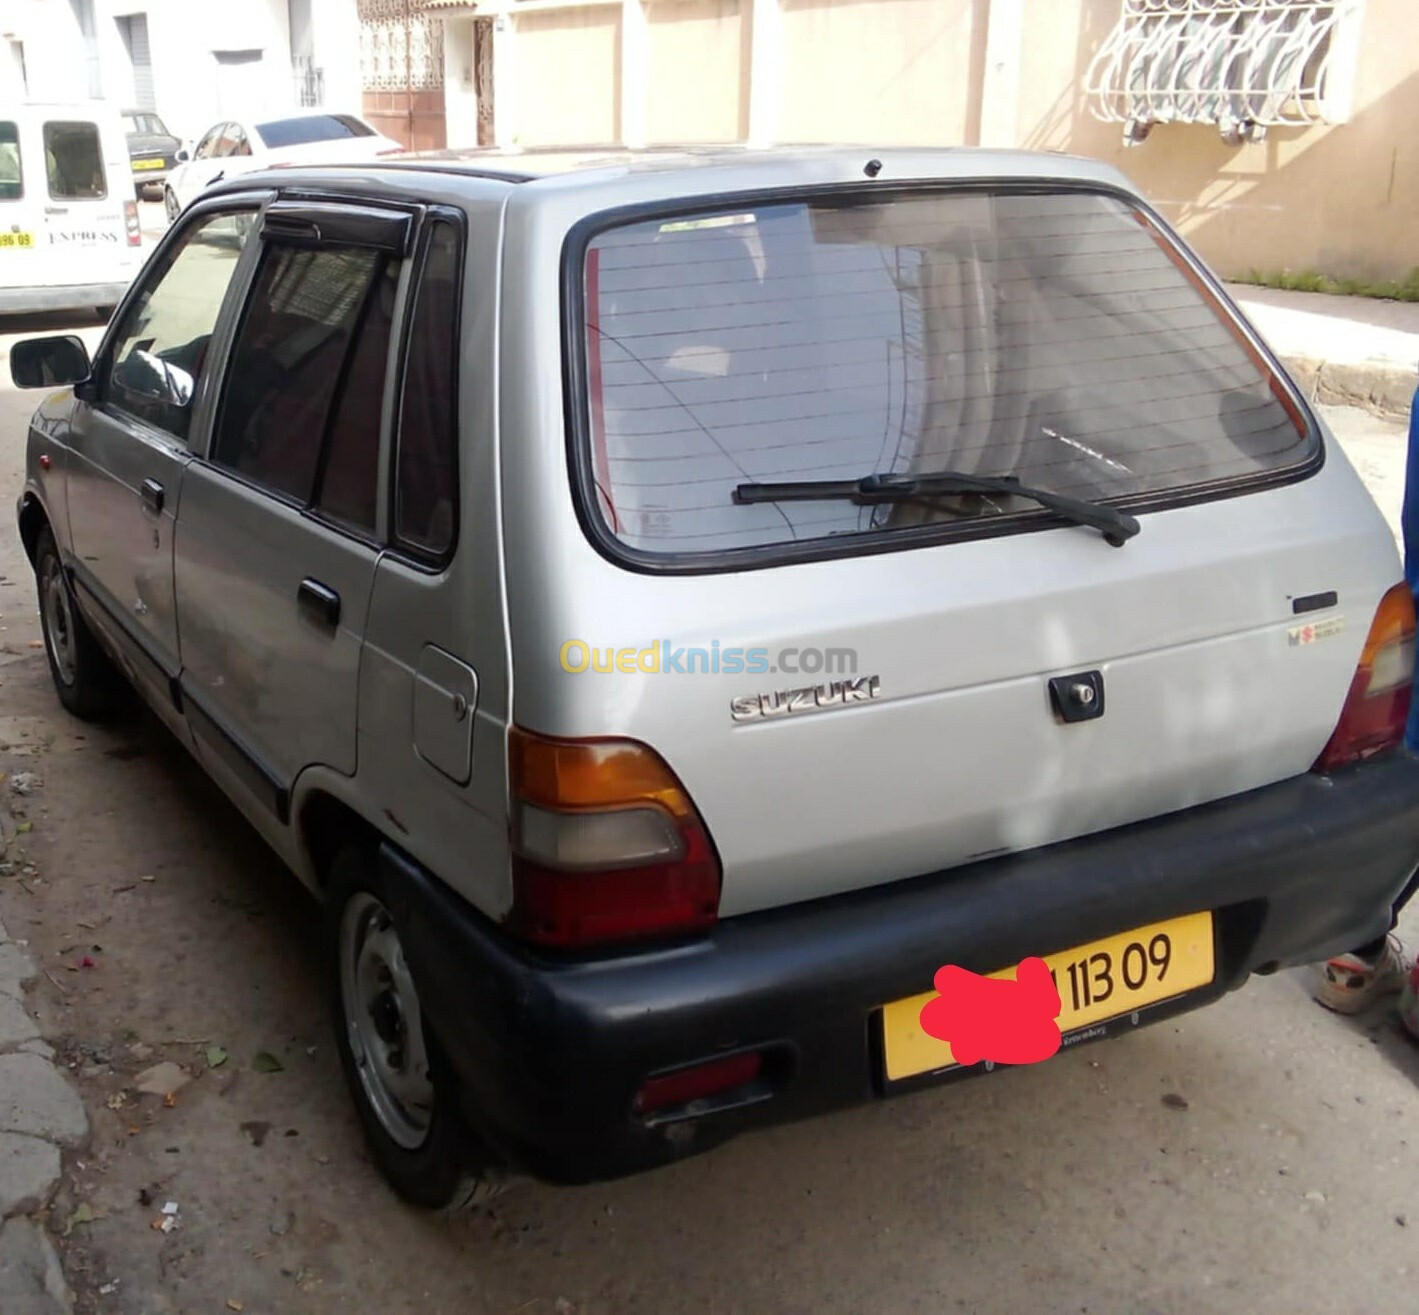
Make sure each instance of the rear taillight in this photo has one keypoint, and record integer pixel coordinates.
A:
(131, 224)
(1377, 706)
(606, 844)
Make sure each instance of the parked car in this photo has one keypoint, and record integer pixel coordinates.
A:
(69, 231)
(153, 150)
(669, 609)
(302, 137)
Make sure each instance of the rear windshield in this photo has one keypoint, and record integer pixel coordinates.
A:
(311, 128)
(12, 179)
(1056, 338)
(74, 162)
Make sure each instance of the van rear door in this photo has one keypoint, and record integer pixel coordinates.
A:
(89, 232)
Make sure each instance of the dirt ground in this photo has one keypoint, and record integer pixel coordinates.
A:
(1259, 1155)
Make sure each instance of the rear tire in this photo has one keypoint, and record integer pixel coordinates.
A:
(170, 206)
(84, 678)
(404, 1091)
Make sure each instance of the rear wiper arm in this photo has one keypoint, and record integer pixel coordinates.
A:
(1116, 526)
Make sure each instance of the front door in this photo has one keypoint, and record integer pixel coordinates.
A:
(282, 522)
(152, 385)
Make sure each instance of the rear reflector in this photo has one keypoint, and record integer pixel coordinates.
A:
(606, 844)
(712, 1079)
(1377, 707)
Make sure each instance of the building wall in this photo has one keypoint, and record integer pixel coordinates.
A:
(880, 71)
(708, 36)
(193, 88)
(1341, 199)
(568, 77)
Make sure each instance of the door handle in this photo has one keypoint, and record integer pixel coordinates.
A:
(153, 496)
(217, 178)
(319, 604)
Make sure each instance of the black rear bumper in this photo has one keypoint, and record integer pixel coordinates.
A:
(551, 1053)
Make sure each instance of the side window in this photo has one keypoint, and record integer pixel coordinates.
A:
(307, 311)
(208, 145)
(74, 161)
(426, 482)
(12, 180)
(161, 347)
(349, 484)
(236, 134)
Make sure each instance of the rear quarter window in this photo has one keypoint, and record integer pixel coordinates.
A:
(74, 162)
(1057, 337)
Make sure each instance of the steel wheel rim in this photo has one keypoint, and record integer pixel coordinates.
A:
(383, 1022)
(170, 204)
(58, 621)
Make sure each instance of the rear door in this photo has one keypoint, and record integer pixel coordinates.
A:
(282, 521)
(859, 691)
(87, 235)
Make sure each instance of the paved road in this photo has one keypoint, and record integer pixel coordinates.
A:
(1286, 1182)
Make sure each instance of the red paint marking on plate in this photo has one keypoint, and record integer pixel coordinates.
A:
(995, 1019)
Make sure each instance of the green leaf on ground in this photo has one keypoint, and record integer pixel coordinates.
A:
(216, 1056)
(266, 1062)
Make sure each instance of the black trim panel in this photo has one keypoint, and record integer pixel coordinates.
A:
(243, 762)
(310, 224)
(765, 556)
(135, 647)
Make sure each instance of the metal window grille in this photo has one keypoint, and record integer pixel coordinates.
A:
(1242, 65)
(401, 46)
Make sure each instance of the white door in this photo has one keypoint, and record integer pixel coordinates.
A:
(82, 180)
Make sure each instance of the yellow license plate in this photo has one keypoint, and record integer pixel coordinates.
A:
(1096, 982)
(147, 164)
(16, 240)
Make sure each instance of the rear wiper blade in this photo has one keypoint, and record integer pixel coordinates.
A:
(1116, 526)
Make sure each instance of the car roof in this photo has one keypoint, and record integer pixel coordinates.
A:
(565, 168)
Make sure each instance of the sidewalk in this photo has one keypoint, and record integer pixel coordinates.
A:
(1343, 351)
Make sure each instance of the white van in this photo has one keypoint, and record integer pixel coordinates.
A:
(69, 230)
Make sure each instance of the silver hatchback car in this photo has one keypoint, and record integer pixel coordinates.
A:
(670, 607)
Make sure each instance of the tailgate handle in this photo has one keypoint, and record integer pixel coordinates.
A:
(319, 604)
(153, 496)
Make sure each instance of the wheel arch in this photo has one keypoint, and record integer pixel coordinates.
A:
(34, 518)
(326, 817)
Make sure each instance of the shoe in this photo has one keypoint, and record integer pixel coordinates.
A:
(1409, 1003)
(1350, 984)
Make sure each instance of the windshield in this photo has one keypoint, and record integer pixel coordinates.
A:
(1052, 337)
(311, 128)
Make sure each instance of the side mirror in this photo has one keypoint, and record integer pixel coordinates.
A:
(143, 374)
(182, 156)
(49, 362)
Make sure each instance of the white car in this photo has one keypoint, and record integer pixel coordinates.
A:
(304, 137)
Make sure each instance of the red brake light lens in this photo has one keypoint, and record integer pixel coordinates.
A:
(131, 224)
(687, 1084)
(1377, 707)
(607, 846)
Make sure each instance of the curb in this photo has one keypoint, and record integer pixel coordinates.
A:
(1379, 387)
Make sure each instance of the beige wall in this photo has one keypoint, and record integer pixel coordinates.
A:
(877, 71)
(1342, 200)
(697, 88)
(568, 68)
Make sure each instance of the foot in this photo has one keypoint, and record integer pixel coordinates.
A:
(1351, 983)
